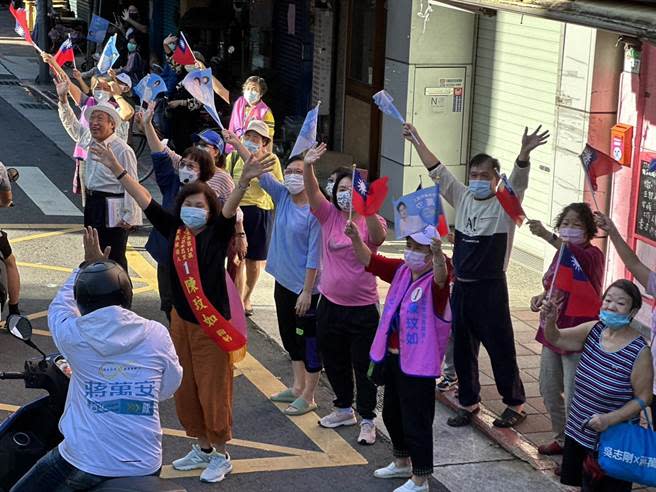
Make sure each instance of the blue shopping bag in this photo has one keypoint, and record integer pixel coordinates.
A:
(628, 451)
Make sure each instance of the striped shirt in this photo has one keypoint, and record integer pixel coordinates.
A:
(602, 384)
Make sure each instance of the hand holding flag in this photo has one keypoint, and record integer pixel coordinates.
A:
(307, 137)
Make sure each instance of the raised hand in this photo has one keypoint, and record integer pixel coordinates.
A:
(92, 251)
(603, 222)
(254, 168)
(531, 141)
(62, 87)
(537, 229)
(352, 231)
(410, 132)
(230, 137)
(315, 153)
(125, 15)
(436, 247)
(77, 75)
(106, 157)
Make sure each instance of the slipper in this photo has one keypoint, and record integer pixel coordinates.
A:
(509, 418)
(299, 406)
(463, 417)
(248, 313)
(285, 396)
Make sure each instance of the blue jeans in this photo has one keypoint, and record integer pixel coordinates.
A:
(54, 473)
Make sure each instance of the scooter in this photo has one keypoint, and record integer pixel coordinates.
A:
(32, 431)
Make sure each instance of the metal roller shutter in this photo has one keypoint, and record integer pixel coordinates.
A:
(518, 62)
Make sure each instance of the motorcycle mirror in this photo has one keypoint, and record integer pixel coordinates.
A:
(20, 327)
(13, 174)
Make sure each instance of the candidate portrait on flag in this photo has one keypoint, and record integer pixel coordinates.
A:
(415, 211)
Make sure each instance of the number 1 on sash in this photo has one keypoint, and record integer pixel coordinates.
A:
(186, 267)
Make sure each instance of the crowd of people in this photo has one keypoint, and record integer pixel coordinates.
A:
(229, 209)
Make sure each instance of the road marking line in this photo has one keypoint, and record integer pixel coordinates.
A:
(36, 227)
(41, 266)
(144, 269)
(44, 235)
(43, 192)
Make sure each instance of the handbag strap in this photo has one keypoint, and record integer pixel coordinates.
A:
(643, 406)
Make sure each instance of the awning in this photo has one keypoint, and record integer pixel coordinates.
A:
(632, 18)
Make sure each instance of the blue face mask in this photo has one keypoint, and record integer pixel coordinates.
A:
(614, 320)
(480, 189)
(193, 217)
(252, 147)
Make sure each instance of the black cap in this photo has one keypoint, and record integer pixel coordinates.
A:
(101, 284)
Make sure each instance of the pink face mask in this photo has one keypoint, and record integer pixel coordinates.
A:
(415, 260)
(572, 235)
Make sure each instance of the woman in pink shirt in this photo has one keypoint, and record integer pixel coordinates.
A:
(347, 315)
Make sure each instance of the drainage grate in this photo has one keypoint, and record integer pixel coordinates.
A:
(34, 106)
(9, 82)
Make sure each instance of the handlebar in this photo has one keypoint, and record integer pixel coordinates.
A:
(12, 375)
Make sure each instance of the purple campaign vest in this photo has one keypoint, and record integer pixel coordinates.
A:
(423, 336)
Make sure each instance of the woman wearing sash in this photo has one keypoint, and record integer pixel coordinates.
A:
(409, 348)
(205, 340)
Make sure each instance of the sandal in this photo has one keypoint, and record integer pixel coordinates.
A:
(300, 406)
(463, 417)
(509, 418)
(248, 313)
(284, 396)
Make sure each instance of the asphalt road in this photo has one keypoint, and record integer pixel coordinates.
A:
(270, 451)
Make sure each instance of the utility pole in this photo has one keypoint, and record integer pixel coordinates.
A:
(42, 39)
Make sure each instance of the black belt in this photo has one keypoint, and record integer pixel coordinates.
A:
(103, 194)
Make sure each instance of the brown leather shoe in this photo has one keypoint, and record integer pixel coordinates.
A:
(550, 449)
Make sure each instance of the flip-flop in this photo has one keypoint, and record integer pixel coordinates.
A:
(248, 313)
(284, 396)
(509, 418)
(300, 406)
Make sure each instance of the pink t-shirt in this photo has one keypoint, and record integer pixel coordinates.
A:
(343, 279)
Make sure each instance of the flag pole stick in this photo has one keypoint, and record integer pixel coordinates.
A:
(352, 188)
(553, 280)
(72, 49)
(592, 190)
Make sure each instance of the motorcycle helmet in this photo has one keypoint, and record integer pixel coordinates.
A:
(101, 284)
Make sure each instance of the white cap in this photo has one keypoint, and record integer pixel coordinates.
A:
(125, 79)
(259, 127)
(426, 236)
(105, 108)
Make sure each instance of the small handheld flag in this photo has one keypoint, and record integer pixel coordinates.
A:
(416, 211)
(199, 84)
(596, 164)
(183, 55)
(569, 277)
(385, 103)
(510, 201)
(307, 137)
(150, 87)
(65, 53)
(21, 23)
(109, 55)
(97, 29)
(367, 199)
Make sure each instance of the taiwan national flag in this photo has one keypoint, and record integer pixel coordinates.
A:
(583, 300)
(510, 201)
(21, 22)
(368, 198)
(596, 163)
(65, 53)
(183, 55)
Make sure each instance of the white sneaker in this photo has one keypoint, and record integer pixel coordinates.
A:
(220, 465)
(195, 459)
(337, 419)
(367, 432)
(393, 471)
(410, 486)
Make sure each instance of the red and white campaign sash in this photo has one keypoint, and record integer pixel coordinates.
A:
(221, 331)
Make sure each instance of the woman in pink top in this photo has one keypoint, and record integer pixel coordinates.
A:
(347, 315)
(575, 226)
(640, 272)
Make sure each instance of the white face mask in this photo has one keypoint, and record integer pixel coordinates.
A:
(572, 235)
(294, 183)
(416, 260)
(187, 175)
(101, 96)
(344, 200)
(251, 96)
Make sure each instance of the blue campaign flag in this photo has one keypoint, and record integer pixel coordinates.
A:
(415, 211)
(199, 84)
(307, 137)
(97, 29)
(109, 56)
(385, 103)
(150, 87)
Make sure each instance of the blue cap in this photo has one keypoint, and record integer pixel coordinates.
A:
(210, 137)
